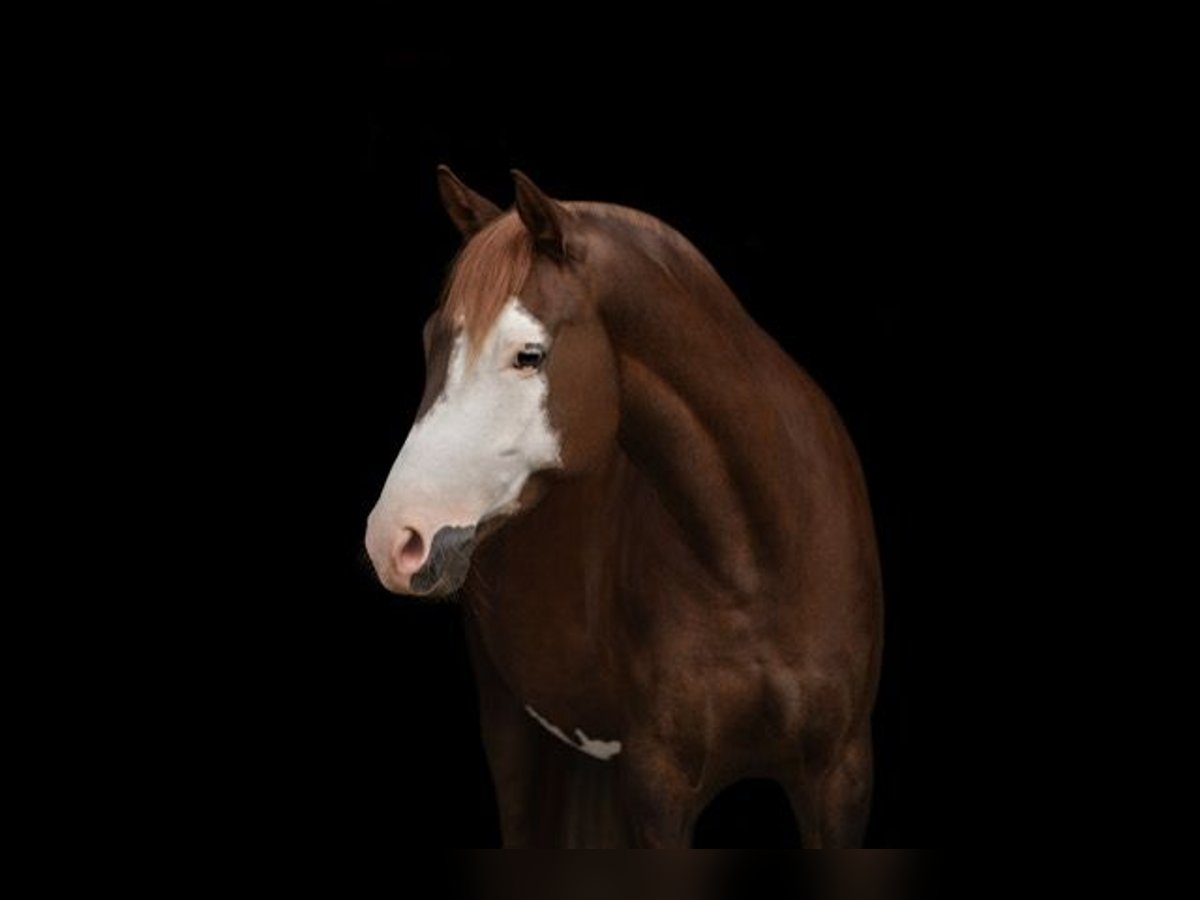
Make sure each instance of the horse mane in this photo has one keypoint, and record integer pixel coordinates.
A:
(496, 263)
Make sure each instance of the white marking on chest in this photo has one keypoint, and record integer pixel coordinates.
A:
(603, 750)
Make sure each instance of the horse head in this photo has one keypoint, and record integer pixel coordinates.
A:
(521, 388)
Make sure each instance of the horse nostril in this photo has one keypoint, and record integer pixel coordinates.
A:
(410, 553)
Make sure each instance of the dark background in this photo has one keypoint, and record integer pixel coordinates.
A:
(840, 204)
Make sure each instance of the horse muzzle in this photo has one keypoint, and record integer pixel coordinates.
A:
(449, 560)
(408, 564)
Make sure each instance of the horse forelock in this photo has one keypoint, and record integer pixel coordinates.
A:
(492, 267)
(495, 265)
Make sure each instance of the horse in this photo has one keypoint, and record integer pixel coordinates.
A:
(656, 523)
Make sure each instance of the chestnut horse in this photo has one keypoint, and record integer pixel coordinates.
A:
(658, 524)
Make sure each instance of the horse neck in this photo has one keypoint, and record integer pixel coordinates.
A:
(711, 412)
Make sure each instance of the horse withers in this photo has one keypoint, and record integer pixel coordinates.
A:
(658, 526)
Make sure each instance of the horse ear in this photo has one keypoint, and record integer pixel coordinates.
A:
(469, 211)
(546, 218)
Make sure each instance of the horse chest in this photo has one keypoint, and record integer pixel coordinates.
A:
(594, 747)
(553, 665)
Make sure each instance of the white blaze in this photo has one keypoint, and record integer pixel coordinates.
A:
(489, 430)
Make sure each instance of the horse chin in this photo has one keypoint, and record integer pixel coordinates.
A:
(438, 587)
(443, 590)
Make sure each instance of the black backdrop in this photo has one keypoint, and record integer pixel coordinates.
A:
(834, 206)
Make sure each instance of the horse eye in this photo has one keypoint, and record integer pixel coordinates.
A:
(531, 357)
